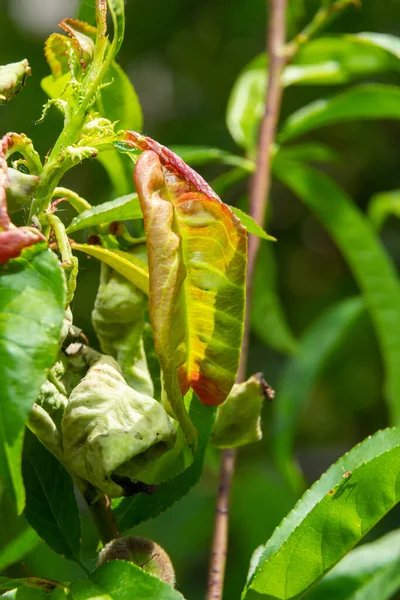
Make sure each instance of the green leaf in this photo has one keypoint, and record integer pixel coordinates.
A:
(119, 101)
(132, 511)
(330, 519)
(327, 60)
(369, 572)
(362, 102)
(117, 10)
(268, 320)
(85, 12)
(121, 209)
(118, 580)
(388, 42)
(238, 419)
(382, 205)
(197, 265)
(128, 265)
(309, 152)
(370, 264)
(202, 155)
(326, 333)
(118, 169)
(251, 225)
(16, 549)
(51, 507)
(32, 292)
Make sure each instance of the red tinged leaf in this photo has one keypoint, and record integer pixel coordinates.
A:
(197, 251)
(13, 241)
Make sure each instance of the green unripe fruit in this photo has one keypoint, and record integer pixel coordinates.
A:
(144, 553)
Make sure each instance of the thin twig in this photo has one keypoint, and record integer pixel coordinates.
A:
(259, 191)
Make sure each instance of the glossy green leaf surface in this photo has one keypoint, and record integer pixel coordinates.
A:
(330, 519)
(298, 380)
(268, 319)
(131, 267)
(382, 205)
(51, 507)
(369, 572)
(197, 254)
(329, 60)
(28, 344)
(251, 225)
(370, 264)
(119, 580)
(121, 209)
(132, 511)
(16, 549)
(362, 102)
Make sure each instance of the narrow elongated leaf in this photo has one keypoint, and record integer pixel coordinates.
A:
(132, 511)
(201, 155)
(251, 225)
(370, 264)
(362, 102)
(32, 311)
(15, 550)
(330, 519)
(309, 152)
(268, 319)
(382, 205)
(329, 60)
(51, 507)
(117, 10)
(121, 209)
(129, 266)
(197, 264)
(358, 573)
(326, 333)
(118, 580)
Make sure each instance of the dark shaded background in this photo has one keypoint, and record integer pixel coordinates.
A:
(183, 58)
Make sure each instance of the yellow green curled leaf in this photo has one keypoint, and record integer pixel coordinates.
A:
(238, 420)
(197, 252)
(118, 320)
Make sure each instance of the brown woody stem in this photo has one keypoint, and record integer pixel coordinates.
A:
(259, 192)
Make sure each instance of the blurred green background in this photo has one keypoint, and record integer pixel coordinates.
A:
(183, 58)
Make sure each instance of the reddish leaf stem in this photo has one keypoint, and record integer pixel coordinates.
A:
(259, 192)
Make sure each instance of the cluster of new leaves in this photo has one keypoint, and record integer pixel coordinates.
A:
(134, 420)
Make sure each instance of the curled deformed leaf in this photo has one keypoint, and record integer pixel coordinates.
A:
(238, 419)
(111, 432)
(12, 239)
(62, 55)
(12, 79)
(83, 36)
(20, 188)
(118, 320)
(197, 251)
